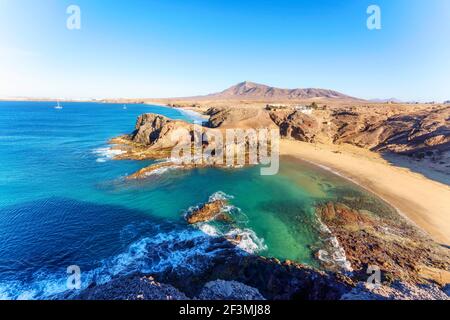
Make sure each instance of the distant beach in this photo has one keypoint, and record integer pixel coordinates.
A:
(194, 116)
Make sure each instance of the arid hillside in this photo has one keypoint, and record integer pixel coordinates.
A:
(251, 94)
(254, 91)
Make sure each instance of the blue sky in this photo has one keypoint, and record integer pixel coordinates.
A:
(147, 48)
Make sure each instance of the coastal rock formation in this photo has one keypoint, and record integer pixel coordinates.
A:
(382, 130)
(239, 118)
(141, 287)
(211, 210)
(227, 272)
(401, 251)
(154, 169)
(275, 280)
(130, 287)
(396, 291)
(296, 125)
(156, 131)
(402, 133)
(418, 130)
(185, 146)
(155, 137)
(228, 290)
(343, 215)
(420, 133)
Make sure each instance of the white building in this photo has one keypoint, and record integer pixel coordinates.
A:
(304, 109)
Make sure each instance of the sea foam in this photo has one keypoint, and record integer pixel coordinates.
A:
(245, 238)
(337, 256)
(106, 154)
(166, 250)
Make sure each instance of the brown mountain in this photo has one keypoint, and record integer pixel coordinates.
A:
(255, 91)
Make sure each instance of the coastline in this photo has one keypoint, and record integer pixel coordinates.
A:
(195, 116)
(423, 201)
(289, 277)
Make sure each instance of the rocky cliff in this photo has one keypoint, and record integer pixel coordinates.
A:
(402, 131)
(156, 131)
(420, 133)
(383, 130)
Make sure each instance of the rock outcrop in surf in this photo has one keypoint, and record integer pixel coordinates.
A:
(184, 145)
(212, 210)
(400, 251)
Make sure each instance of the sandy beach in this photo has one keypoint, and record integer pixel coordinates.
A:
(425, 202)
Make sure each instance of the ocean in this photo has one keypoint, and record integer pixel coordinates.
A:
(64, 202)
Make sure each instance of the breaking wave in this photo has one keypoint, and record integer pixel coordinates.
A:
(334, 254)
(220, 195)
(178, 250)
(105, 154)
(236, 232)
(162, 170)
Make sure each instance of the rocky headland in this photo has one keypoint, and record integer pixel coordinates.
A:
(413, 266)
(421, 135)
(153, 139)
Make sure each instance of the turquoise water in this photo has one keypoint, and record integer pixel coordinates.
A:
(64, 202)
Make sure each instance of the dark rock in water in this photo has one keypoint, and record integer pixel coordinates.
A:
(208, 211)
(228, 290)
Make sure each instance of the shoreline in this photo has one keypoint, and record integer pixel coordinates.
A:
(195, 116)
(422, 201)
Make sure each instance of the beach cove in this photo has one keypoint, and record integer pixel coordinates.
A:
(113, 227)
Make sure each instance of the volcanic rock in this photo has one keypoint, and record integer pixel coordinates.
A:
(228, 290)
(208, 211)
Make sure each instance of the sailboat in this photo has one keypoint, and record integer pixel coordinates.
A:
(124, 107)
(58, 106)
